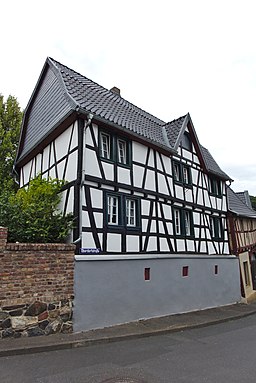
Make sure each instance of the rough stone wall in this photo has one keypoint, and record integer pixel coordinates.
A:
(36, 288)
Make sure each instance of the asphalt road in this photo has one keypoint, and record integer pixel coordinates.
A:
(221, 353)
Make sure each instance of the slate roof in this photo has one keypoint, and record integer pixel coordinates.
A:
(211, 164)
(110, 106)
(61, 91)
(237, 206)
(244, 196)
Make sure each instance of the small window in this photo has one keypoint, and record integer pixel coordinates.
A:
(105, 147)
(187, 223)
(185, 271)
(216, 228)
(177, 172)
(121, 151)
(183, 222)
(177, 222)
(113, 210)
(215, 187)
(147, 274)
(182, 173)
(130, 212)
(246, 273)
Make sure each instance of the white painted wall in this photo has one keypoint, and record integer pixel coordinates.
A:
(114, 291)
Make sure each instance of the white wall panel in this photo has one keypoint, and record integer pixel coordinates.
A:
(108, 170)
(124, 175)
(138, 172)
(91, 164)
(150, 181)
(114, 242)
(96, 196)
(139, 152)
(71, 172)
(162, 186)
(132, 242)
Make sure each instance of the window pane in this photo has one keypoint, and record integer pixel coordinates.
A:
(121, 150)
(177, 222)
(185, 175)
(177, 172)
(187, 223)
(130, 212)
(112, 210)
(105, 145)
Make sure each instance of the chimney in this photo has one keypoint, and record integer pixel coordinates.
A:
(115, 90)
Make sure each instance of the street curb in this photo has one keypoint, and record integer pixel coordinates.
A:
(86, 342)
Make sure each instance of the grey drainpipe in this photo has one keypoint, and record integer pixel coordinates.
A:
(87, 124)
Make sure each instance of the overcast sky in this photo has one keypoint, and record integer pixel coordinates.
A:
(168, 57)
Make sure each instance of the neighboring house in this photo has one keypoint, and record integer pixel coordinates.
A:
(242, 233)
(139, 188)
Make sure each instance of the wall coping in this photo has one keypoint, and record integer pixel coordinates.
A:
(125, 257)
(39, 247)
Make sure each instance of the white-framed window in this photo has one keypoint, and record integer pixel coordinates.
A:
(121, 151)
(105, 145)
(113, 209)
(177, 221)
(130, 212)
(216, 228)
(215, 186)
(185, 175)
(122, 211)
(182, 173)
(177, 172)
(187, 222)
(183, 222)
(114, 148)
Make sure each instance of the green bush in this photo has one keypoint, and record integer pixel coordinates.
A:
(32, 214)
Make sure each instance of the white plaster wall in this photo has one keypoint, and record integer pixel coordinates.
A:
(113, 290)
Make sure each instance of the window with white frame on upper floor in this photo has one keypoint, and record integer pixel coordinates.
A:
(114, 149)
(105, 145)
(182, 173)
(177, 221)
(187, 222)
(215, 186)
(216, 228)
(122, 211)
(121, 151)
(183, 222)
(113, 210)
(130, 212)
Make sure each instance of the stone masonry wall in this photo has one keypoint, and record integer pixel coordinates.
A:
(36, 288)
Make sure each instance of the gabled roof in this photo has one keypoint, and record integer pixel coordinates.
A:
(244, 196)
(212, 165)
(61, 91)
(237, 206)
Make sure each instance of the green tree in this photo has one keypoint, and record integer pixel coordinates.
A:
(10, 123)
(253, 201)
(31, 214)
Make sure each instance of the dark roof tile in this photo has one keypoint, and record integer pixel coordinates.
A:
(237, 206)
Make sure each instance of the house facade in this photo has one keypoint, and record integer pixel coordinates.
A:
(242, 234)
(142, 191)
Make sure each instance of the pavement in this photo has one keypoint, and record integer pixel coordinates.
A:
(137, 329)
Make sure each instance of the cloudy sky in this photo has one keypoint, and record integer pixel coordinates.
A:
(168, 57)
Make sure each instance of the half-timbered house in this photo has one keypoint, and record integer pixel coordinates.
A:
(242, 237)
(139, 188)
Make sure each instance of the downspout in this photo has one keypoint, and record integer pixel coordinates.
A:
(82, 176)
